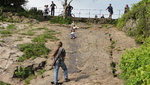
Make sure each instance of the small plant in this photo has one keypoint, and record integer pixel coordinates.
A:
(3, 83)
(23, 73)
(11, 27)
(112, 46)
(104, 25)
(2, 28)
(27, 80)
(113, 68)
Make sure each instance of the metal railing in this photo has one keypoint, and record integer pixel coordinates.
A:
(90, 13)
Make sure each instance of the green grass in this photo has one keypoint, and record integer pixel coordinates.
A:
(30, 33)
(3, 83)
(47, 35)
(32, 50)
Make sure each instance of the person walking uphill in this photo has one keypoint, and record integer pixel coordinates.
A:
(52, 6)
(110, 10)
(59, 58)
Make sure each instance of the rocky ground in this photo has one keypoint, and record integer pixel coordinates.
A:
(88, 56)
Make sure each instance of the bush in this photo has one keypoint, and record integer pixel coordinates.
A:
(140, 13)
(135, 65)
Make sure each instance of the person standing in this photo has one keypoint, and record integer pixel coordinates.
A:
(59, 56)
(45, 12)
(69, 9)
(110, 10)
(52, 6)
(126, 9)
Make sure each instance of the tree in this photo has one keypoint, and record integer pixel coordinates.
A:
(16, 4)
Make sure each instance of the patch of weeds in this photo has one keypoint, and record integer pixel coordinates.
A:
(113, 64)
(42, 28)
(27, 80)
(30, 33)
(113, 68)
(112, 46)
(2, 41)
(2, 28)
(23, 73)
(3, 83)
(11, 27)
(61, 20)
(21, 59)
(41, 72)
(104, 25)
(19, 38)
(32, 49)
(88, 23)
(118, 49)
(47, 35)
(5, 35)
(5, 32)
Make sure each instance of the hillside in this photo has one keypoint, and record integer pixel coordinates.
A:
(90, 57)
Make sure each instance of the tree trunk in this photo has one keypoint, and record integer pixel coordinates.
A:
(64, 9)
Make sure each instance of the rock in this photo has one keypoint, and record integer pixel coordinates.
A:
(36, 64)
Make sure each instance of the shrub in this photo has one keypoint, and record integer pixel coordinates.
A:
(135, 65)
(140, 13)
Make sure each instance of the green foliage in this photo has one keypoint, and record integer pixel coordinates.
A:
(47, 35)
(30, 33)
(61, 20)
(8, 31)
(23, 72)
(11, 27)
(32, 13)
(32, 50)
(112, 44)
(41, 72)
(27, 80)
(104, 25)
(135, 65)
(140, 13)
(2, 83)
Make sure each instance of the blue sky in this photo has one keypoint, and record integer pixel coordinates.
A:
(87, 8)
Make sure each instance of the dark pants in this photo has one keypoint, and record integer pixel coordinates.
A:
(52, 12)
(68, 13)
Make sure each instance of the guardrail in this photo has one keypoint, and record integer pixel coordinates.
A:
(90, 13)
